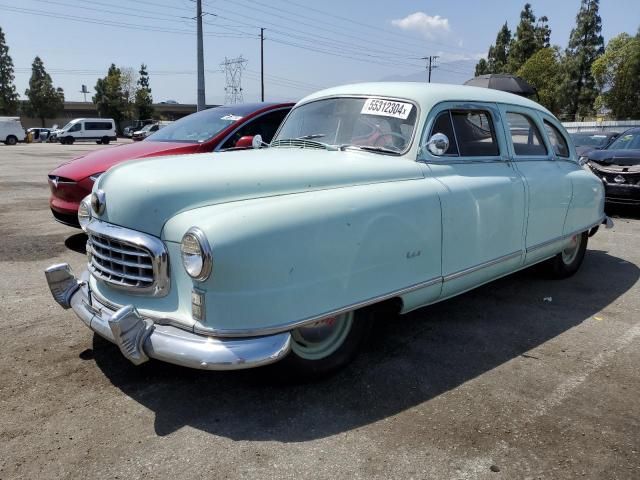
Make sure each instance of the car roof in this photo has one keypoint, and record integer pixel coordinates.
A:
(427, 94)
(244, 109)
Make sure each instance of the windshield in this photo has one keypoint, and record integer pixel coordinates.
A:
(627, 141)
(68, 125)
(378, 124)
(197, 127)
(589, 140)
(146, 128)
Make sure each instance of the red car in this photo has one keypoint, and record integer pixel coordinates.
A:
(216, 129)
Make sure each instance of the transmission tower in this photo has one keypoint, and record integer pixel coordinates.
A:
(233, 68)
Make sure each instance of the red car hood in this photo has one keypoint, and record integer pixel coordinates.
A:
(101, 160)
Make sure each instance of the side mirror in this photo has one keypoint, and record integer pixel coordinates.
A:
(245, 142)
(438, 144)
(257, 142)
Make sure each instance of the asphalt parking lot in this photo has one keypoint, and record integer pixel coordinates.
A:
(523, 378)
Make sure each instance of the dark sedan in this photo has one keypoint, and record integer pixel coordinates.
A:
(587, 141)
(618, 166)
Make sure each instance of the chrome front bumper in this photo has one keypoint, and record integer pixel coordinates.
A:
(140, 338)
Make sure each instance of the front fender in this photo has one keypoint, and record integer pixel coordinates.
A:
(283, 259)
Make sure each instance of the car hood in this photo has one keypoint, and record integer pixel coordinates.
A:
(101, 160)
(144, 195)
(623, 158)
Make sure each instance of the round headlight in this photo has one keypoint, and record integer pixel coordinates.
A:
(196, 254)
(84, 212)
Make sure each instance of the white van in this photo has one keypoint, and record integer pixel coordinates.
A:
(11, 130)
(102, 130)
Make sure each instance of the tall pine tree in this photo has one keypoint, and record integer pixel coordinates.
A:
(8, 93)
(498, 54)
(585, 46)
(44, 101)
(144, 101)
(525, 42)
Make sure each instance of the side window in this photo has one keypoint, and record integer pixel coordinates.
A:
(525, 136)
(75, 128)
(265, 126)
(475, 133)
(443, 125)
(558, 142)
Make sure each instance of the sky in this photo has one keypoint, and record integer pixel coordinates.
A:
(309, 45)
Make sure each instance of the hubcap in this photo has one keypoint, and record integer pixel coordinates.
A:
(322, 338)
(569, 254)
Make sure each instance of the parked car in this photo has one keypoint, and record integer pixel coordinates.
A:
(136, 125)
(39, 134)
(100, 130)
(587, 141)
(147, 130)
(215, 129)
(371, 198)
(618, 166)
(11, 130)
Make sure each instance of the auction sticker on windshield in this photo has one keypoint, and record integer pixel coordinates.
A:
(387, 108)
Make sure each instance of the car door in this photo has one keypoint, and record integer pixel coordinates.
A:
(483, 199)
(548, 187)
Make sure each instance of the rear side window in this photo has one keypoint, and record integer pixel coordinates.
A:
(475, 133)
(558, 142)
(525, 136)
(97, 125)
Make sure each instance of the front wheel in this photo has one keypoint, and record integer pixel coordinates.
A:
(327, 345)
(568, 261)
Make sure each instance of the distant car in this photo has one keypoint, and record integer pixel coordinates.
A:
(587, 141)
(11, 130)
(618, 166)
(147, 130)
(215, 129)
(100, 130)
(39, 134)
(136, 125)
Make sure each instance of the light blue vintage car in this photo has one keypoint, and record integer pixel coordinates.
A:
(371, 198)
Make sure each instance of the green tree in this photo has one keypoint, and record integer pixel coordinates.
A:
(585, 46)
(110, 99)
(542, 71)
(44, 101)
(143, 99)
(617, 75)
(529, 38)
(8, 93)
(498, 54)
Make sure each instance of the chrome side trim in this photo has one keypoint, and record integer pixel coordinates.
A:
(475, 268)
(153, 245)
(546, 243)
(203, 329)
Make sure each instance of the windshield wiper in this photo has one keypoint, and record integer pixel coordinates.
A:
(370, 148)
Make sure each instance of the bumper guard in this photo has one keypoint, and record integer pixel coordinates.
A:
(140, 338)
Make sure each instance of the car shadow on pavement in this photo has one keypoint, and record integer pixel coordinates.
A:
(410, 360)
(77, 243)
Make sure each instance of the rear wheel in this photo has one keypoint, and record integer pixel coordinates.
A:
(327, 345)
(568, 261)
(11, 140)
(98, 142)
(105, 140)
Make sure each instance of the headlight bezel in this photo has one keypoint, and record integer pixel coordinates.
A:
(84, 216)
(206, 254)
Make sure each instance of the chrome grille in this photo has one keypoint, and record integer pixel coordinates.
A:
(298, 143)
(120, 263)
(127, 259)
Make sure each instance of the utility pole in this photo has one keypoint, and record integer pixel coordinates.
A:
(431, 65)
(262, 63)
(201, 100)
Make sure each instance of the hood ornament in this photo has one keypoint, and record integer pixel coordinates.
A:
(618, 179)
